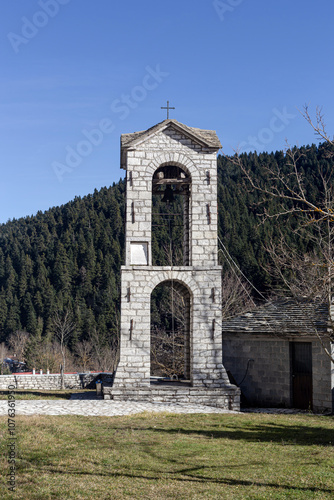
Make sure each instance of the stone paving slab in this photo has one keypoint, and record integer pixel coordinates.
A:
(101, 408)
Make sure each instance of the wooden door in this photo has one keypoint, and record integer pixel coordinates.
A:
(301, 373)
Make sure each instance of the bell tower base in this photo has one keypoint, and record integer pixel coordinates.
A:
(227, 397)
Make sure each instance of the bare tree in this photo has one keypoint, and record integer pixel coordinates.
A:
(308, 276)
(18, 341)
(308, 279)
(289, 187)
(168, 344)
(84, 354)
(105, 354)
(4, 353)
(63, 328)
(46, 355)
(236, 295)
(318, 125)
(298, 274)
(167, 352)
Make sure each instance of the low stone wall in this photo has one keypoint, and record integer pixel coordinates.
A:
(53, 382)
(227, 397)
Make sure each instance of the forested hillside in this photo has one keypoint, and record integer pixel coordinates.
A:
(70, 256)
(66, 258)
(241, 227)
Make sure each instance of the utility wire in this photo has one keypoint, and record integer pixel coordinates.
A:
(251, 284)
(287, 316)
(226, 256)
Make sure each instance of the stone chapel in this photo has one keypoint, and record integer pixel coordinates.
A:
(172, 158)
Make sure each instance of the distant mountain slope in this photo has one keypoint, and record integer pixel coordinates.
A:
(67, 257)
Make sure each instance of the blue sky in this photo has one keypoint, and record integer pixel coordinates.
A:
(76, 74)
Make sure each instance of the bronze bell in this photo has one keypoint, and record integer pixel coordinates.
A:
(168, 195)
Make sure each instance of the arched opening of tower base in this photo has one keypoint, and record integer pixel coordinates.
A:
(170, 333)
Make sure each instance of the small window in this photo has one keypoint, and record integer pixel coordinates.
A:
(139, 254)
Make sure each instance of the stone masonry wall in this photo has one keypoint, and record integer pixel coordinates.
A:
(332, 375)
(205, 340)
(268, 382)
(321, 377)
(53, 382)
(169, 147)
(202, 277)
(229, 398)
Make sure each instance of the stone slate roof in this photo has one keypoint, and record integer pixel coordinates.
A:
(207, 138)
(282, 318)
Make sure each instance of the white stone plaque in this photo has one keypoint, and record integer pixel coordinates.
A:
(139, 254)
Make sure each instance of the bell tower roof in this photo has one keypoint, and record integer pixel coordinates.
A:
(206, 138)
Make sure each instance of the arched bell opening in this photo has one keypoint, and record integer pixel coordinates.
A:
(170, 332)
(171, 189)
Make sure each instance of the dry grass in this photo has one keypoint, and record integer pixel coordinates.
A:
(160, 456)
(24, 394)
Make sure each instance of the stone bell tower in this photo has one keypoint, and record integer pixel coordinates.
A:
(172, 156)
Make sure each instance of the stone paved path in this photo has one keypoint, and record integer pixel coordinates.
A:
(89, 405)
(99, 408)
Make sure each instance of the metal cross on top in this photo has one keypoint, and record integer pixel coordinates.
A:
(168, 108)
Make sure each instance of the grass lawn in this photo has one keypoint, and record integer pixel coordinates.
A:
(163, 456)
(36, 394)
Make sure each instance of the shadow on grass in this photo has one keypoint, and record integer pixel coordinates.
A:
(56, 394)
(266, 432)
(176, 466)
(190, 475)
(42, 394)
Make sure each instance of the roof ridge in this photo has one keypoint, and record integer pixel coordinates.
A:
(208, 138)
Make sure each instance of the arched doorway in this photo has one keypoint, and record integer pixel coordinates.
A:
(171, 188)
(170, 331)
